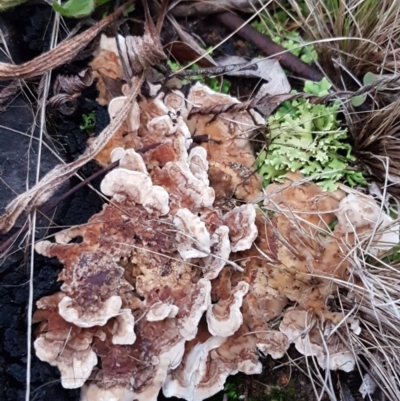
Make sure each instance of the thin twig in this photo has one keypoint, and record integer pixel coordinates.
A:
(61, 54)
(269, 47)
(216, 109)
(32, 225)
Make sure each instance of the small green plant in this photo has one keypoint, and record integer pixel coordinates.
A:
(88, 121)
(216, 85)
(368, 78)
(308, 138)
(282, 393)
(77, 8)
(173, 65)
(393, 256)
(289, 40)
(232, 391)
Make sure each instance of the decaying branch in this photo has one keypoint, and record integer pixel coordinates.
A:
(61, 54)
(48, 207)
(269, 47)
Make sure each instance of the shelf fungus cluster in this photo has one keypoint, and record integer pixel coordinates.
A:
(168, 287)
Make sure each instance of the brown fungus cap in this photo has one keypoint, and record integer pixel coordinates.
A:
(225, 317)
(229, 150)
(171, 289)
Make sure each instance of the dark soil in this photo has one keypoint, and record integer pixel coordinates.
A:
(18, 156)
(15, 157)
(27, 34)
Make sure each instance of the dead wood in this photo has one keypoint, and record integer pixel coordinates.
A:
(269, 47)
(48, 207)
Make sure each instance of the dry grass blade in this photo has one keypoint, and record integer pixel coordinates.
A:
(60, 54)
(377, 137)
(376, 305)
(38, 194)
(371, 28)
(8, 93)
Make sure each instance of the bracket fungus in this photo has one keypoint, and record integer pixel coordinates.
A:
(168, 288)
(144, 267)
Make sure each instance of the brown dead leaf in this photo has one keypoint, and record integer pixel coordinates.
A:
(188, 40)
(183, 52)
(73, 84)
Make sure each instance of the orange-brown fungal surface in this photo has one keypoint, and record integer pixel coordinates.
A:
(229, 150)
(138, 283)
(169, 288)
(107, 69)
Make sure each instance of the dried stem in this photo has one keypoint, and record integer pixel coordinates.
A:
(269, 47)
(48, 207)
(216, 109)
(61, 54)
(42, 191)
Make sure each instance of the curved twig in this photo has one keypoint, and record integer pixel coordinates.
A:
(64, 52)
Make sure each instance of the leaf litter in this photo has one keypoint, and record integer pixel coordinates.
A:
(355, 301)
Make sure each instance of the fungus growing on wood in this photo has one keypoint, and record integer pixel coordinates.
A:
(229, 150)
(143, 268)
(301, 328)
(166, 260)
(224, 318)
(107, 68)
(360, 214)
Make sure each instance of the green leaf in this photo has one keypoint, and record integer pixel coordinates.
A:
(88, 121)
(6, 4)
(173, 65)
(357, 101)
(369, 78)
(317, 88)
(99, 3)
(75, 8)
(328, 185)
(355, 177)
